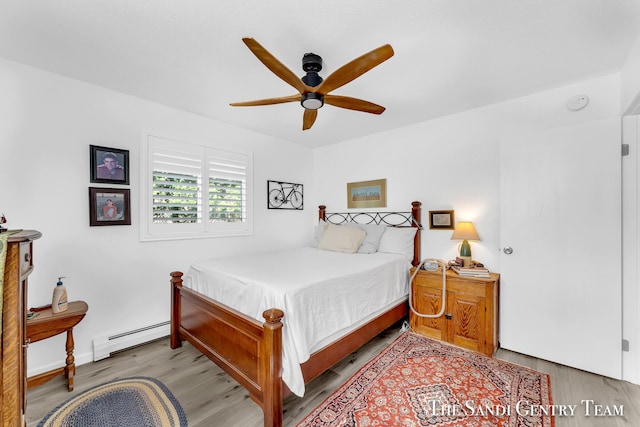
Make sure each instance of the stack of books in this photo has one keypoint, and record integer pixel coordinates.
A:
(471, 271)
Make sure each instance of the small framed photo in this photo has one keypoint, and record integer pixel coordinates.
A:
(109, 206)
(109, 165)
(441, 220)
(367, 194)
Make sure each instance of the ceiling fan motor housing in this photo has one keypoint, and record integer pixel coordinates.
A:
(311, 64)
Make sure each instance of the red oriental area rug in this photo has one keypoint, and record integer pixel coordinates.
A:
(417, 381)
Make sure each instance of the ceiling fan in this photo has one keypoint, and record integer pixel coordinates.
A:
(313, 90)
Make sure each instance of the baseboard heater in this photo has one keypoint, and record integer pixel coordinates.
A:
(103, 346)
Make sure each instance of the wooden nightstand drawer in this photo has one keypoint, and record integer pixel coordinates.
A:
(26, 263)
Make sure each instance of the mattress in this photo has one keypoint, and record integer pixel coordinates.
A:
(323, 294)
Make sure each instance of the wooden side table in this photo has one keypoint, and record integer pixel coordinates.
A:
(470, 318)
(47, 324)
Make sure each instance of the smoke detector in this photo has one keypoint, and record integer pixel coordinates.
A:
(577, 103)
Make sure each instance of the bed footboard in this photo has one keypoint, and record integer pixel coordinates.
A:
(249, 351)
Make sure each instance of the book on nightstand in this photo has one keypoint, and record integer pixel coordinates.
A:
(471, 271)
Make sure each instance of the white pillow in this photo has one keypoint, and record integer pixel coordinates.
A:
(317, 233)
(341, 239)
(398, 240)
(371, 241)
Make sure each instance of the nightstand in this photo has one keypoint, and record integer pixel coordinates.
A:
(470, 318)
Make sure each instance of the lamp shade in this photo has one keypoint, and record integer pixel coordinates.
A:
(465, 231)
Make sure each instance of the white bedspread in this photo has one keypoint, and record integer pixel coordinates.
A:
(323, 294)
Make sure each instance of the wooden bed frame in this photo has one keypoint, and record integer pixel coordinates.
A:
(251, 351)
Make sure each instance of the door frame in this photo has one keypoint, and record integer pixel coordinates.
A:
(631, 245)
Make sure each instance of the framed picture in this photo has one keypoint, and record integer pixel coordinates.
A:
(367, 194)
(109, 165)
(285, 195)
(441, 220)
(109, 206)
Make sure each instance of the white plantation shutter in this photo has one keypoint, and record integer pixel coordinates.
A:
(177, 183)
(227, 173)
(194, 190)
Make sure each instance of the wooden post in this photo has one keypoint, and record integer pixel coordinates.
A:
(322, 212)
(176, 284)
(415, 212)
(70, 366)
(272, 368)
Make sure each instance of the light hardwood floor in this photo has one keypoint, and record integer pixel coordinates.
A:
(210, 398)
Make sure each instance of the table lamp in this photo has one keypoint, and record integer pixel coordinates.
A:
(465, 231)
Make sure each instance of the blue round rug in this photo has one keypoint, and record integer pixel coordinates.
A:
(131, 402)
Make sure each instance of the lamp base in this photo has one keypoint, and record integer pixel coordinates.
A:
(466, 261)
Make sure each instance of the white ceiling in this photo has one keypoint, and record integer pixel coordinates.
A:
(450, 55)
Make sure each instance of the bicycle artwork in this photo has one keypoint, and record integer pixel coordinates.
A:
(284, 195)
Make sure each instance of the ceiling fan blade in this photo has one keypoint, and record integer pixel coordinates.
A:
(267, 101)
(277, 67)
(353, 104)
(309, 118)
(354, 69)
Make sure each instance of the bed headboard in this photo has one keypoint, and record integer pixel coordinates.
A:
(392, 219)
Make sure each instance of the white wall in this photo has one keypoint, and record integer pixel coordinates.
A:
(452, 162)
(630, 81)
(47, 125)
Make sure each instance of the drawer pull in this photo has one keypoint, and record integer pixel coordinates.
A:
(27, 257)
(448, 316)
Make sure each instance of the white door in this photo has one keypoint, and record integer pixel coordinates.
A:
(561, 217)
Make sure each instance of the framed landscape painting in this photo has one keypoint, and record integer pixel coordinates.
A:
(367, 194)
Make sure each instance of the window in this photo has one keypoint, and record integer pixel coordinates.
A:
(194, 191)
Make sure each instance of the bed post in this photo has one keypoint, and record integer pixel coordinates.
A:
(322, 213)
(415, 211)
(272, 368)
(176, 284)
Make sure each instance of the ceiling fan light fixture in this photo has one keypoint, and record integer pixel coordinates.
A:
(312, 100)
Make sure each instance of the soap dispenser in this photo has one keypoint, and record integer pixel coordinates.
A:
(59, 300)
